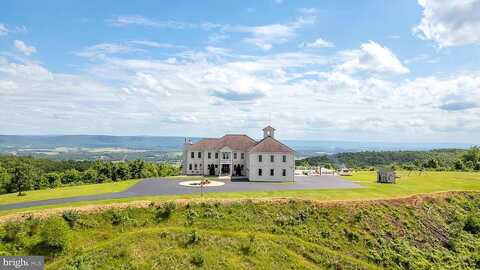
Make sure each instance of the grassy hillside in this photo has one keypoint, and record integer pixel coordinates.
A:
(418, 233)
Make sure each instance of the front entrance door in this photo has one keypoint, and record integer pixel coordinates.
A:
(225, 169)
(211, 169)
(238, 170)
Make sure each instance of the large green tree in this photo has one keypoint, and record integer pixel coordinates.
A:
(22, 175)
(472, 156)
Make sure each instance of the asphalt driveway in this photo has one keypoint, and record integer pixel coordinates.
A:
(162, 186)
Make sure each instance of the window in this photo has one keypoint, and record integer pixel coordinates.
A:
(259, 158)
(259, 172)
(216, 166)
(235, 155)
(272, 158)
(199, 154)
(272, 172)
(192, 155)
(190, 166)
(284, 158)
(284, 172)
(195, 166)
(242, 155)
(216, 155)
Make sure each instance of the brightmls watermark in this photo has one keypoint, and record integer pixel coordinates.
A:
(22, 262)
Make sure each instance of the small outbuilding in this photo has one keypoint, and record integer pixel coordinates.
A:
(386, 176)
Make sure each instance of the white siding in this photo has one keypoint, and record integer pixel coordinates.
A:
(266, 165)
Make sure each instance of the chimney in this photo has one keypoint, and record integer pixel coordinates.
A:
(268, 132)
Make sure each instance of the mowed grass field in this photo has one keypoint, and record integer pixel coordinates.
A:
(409, 183)
(65, 192)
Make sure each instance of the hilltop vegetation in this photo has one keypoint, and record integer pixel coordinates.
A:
(442, 159)
(18, 174)
(419, 233)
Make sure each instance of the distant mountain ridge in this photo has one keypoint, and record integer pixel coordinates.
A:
(175, 143)
(92, 141)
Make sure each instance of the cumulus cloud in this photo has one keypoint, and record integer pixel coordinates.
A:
(214, 85)
(450, 23)
(372, 57)
(317, 44)
(24, 48)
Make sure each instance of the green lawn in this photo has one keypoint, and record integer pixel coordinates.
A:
(407, 185)
(65, 192)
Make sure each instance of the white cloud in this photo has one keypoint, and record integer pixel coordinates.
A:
(450, 23)
(155, 44)
(3, 30)
(104, 49)
(265, 36)
(174, 93)
(262, 36)
(317, 44)
(24, 48)
(126, 20)
(372, 57)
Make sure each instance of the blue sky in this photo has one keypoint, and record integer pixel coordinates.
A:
(323, 70)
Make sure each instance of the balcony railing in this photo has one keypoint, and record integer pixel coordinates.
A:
(225, 160)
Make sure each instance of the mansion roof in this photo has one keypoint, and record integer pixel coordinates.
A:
(269, 144)
(240, 143)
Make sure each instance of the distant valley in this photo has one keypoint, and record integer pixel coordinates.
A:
(169, 148)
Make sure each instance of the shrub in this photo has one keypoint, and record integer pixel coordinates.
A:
(477, 166)
(55, 234)
(472, 224)
(71, 176)
(193, 238)
(191, 215)
(197, 259)
(165, 211)
(459, 165)
(119, 217)
(54, 179)
(71, 216)
(13, 232)
(248, 248)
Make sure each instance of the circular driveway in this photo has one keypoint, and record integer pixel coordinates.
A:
(165, 186)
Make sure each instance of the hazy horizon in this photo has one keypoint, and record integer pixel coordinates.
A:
(459, 144)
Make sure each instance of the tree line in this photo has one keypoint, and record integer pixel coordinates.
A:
(18, 174)
(440, 159)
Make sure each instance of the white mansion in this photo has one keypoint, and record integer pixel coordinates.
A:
(241, 156)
